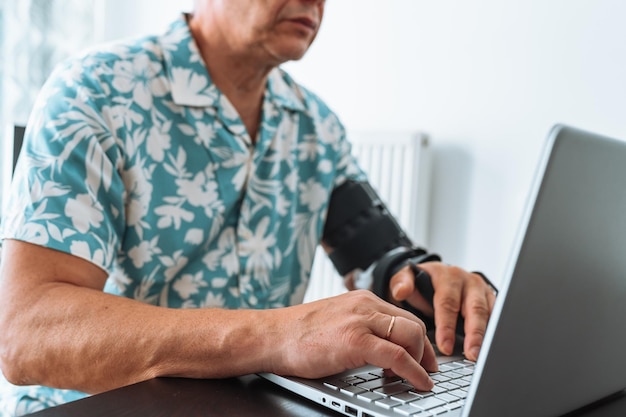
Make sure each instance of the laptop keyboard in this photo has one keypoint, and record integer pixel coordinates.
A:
(399, 398)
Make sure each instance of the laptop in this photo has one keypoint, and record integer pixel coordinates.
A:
(556, 340)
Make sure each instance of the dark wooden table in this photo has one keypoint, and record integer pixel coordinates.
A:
(169, 397)
(248, 396)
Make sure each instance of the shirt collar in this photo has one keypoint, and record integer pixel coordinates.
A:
(188, 76)
(283, 91)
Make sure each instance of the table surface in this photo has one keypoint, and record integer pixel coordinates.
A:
(245, 396)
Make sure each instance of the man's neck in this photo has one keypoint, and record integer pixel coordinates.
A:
(242, 79)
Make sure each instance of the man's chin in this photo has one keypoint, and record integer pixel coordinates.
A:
(291, 50)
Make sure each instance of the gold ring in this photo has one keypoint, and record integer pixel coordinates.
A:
(393, 321)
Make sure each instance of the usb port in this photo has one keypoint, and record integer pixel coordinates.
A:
(351, 410)
(335, 404)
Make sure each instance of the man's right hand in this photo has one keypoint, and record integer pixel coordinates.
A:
(350, 330)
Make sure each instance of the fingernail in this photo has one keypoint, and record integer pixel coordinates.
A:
(394, 292)
(448, 346)
(474, 350)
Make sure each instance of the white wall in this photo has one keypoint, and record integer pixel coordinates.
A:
(124, 18)
(485, 78)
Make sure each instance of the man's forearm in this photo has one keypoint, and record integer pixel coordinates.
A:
(78, 338)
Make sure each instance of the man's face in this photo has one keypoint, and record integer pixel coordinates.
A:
(278, 30)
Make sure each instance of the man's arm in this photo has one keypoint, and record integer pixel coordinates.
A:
(57, 328)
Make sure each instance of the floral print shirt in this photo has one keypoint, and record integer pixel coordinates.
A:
(135, 161)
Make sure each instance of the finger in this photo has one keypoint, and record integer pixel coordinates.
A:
(429, 360)
(476, 310)
(406, 331)
(389, 355)
(492, 300)
(402, 284)
(447, 303)
(402, 288)
(411, 335)
(348, 281)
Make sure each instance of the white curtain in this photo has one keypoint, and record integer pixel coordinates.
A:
(35, 35)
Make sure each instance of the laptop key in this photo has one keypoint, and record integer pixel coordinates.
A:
(464, 371)
(406, 397)
(438, 390)
(335, 384)
(427, 403)
(352, 380)
(423, 393)
(454, 405)
(452, 374)
(406, 410)
(378, 373)
(438, 410)
(448, 366)
(387, 403)
(446, 397)
(460, 383)
(395, 388)
(377, 383)
(447, 385)
(459, 393)
(369, 396)
(351, 390)
(367, 376)
(439, 377)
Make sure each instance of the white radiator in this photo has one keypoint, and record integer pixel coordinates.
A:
(398, 167)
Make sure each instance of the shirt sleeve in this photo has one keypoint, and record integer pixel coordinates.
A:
(66, 193)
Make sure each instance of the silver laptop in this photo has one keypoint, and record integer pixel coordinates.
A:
(557, 340)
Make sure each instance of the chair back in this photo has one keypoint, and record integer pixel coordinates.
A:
(18, 138)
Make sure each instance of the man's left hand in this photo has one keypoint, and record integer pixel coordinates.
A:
(456, 291)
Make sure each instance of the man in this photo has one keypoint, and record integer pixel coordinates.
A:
(186, 171)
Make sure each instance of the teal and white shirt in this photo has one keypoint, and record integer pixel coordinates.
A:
(135, 161)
